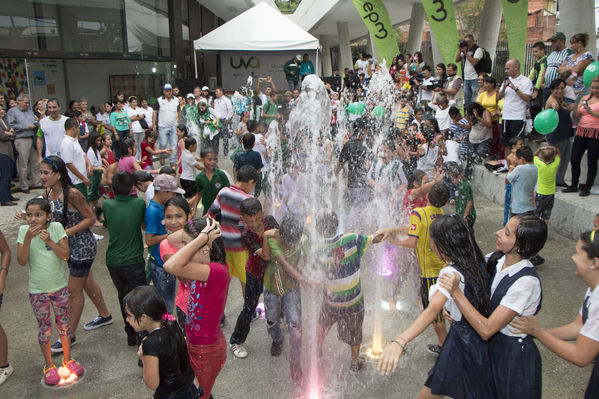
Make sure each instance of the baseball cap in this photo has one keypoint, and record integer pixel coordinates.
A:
(190, 95)
(298, 56)
(558, 36)
(203, 101)
(205, 88)
(164, 182)
(167, 86)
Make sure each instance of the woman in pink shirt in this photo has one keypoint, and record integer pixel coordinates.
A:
(201, 260)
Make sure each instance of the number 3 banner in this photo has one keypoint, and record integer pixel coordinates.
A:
(441, 17)
(376, 18)
(515, 13)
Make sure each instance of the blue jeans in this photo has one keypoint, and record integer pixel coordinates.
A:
(292, 306)
(167, 138)
(470, 89)
(6, 169)
(164, 282)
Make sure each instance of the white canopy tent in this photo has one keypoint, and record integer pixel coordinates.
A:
(257, 42)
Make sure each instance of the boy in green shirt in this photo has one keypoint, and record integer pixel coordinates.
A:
(124, 216)
(464, 198)
(208, 182)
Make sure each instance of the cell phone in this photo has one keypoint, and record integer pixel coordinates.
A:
(585, 103)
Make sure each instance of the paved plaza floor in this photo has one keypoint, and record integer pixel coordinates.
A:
(112, 370)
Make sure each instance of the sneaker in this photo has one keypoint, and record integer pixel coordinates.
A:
(57, 346)
(433, 348)
(98, 237)
(356, 367)
(584, 192)
(73, 366)
(5, 372)
(570, 189)
(98, 322)
(276, 348)
(131, 339)
(51, 376)
(239, 351)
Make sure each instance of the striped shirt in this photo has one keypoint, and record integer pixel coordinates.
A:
(554, 60)
(341, 257)
(226, 206)
(402, 116)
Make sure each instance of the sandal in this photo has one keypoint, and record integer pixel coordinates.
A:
(73, 366)
(51, 376)
(355, 367)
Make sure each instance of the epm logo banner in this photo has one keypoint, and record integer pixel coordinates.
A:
(251, 62)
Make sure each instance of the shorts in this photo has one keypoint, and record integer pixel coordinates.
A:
(544, 205)
(511, 129)
(80, 268)
(425, 285)
(82, 189)
(189, 186)
(349, 325)
(236, 262)
(93, 191)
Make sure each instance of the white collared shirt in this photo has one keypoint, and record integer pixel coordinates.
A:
(223, 107)
(71, 152)
(590, 329)
(450, 305)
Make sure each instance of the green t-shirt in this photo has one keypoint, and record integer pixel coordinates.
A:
(210, 188)
(276, 280)
(463, 195)
(46, 269)
(120, 120)
(124, 216)
(546, 178)
(270, 111)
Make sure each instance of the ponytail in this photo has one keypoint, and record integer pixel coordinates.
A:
(170, 324)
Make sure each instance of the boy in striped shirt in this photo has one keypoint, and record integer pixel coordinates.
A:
(343, 298)
(225, 209)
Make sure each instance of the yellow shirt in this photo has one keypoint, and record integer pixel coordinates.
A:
(420, 222)
(488, 102)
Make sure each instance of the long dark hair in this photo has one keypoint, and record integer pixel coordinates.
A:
(470, 111)
(93, 138)
(193, 229)
(455, 242)
(531, 235)
(146, 300)
(58, 165)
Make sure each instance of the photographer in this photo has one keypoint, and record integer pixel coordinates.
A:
(425, 85)
(469, 54)
(452, 87)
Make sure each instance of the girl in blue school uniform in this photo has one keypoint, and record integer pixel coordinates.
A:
(515, 291)
(463, 368)
(585, 328)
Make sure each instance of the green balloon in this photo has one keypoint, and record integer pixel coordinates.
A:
(378, 111)
(590, 72)
(356, 108)
(546, 121)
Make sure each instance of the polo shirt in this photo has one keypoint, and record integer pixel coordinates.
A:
(52, 131)
(420, 224)
(154, 218)
(554, 60)
(226, 206)
(124, 216)
(72, 153)
(250, 157)
(167, 111)
(210, 188)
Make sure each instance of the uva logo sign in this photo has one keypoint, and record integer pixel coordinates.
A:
(251, 62)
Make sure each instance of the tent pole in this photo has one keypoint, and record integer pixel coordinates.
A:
(195, 62)
(317, 63)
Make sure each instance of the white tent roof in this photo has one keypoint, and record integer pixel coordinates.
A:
(261, 28)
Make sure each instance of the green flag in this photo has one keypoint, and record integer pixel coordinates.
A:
(515, 13)
(376, 18)
(441, 17)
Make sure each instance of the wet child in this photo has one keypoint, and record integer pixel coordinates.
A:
(5, 368)
(514, 144)
(546, 159)
(144, 183)
(181, 135)
(73, 156)
(464, 198)
(148, 150)
(208, 182)
(248, 156)
(253, 238)
(95, 159)
(43, 246)
(163, 352)
(189, 165)
(343, 301)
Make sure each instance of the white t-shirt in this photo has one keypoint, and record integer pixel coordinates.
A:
(523, 297)
(53, 133)
(94, 158)
(453, 152)
(188, 163)
(590, 329)
(514, 107)
(259, 147)
(103, 118)
(71, 152)
(148, 112)
(361, 65)
(149, 194)
(442, 116)
(135, 126)
(425, 95)
(469, 71)
(450, 305)
(167, 111)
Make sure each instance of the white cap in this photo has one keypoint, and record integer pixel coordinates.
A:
(167, 86)
(205, 88)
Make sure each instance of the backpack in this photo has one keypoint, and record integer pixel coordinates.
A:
(484, 64)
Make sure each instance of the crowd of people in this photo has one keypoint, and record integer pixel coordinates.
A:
(149, 176)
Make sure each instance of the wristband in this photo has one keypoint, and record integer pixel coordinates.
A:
(4, 268)
(403, 348)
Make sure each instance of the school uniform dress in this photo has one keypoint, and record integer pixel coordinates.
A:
(516, 361)
(590, 329)
(463, 368)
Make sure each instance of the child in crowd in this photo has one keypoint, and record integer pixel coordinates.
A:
(124, 216)
(43, 246)
(419, 239)
(5, 368)
(202, 262)
(282, 279)
(74, 157)
(252, 236)
(523, 179)
(510, 160)
(208, 182)
(165, 187)
(181, 135)
(166, 367)
(226, 208)
(343, 298)
(419, 186)
(585, 327)
(144, 182)
(148, 150)
(441, 107)
(386, 176)
(460, 128)
(464, 198)
(189, 164)
(248, 156)
(293, 189)
(403, 114)
(95, 160)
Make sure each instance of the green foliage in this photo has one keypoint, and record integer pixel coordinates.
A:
(287, 7)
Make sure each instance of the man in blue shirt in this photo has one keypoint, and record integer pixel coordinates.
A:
(306, 67)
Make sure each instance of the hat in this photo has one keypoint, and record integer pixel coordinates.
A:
(190, 95)
(164, 182)
(558, 36)
(299, 56)
(203, 101)
(205, 88)
(167, 86)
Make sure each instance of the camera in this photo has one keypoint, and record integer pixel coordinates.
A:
(463, 44)
(436, 83)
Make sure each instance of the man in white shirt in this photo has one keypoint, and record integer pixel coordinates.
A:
(78, 165)
(516, 92)
(51, 130)
(165, 117)
(469, 55)
(361, 65)
(425, 92)
(136, 114)
(224, 108)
